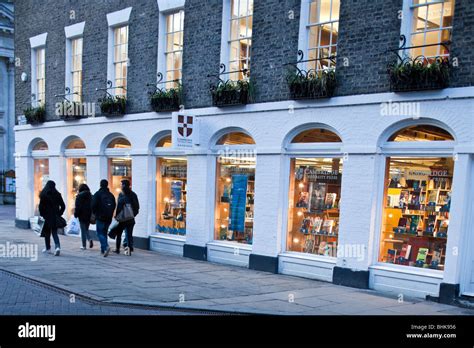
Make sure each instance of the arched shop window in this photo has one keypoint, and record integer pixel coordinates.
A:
(315, 193)
(39, 153)
(76, 171)
(235, 187)
(119, 163)
(417, 200)
(171, 188)
(421, 133)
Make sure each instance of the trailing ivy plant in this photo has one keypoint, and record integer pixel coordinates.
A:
(419, 74)
(35, 115)
(311, 84)
(113, 105)
(166, 100)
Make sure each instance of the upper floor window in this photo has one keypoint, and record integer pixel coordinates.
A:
(120, 59)
(322, 31)
(174, 48)
(431, 24)
(40, 76)
(76, 68)
(240, 41)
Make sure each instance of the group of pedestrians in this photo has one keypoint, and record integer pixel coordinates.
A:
(98, 209)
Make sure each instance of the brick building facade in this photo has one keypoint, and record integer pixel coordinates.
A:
(365, 123)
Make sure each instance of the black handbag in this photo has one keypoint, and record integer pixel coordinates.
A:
(60, 222)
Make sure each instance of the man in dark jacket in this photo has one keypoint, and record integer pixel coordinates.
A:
(83, 212)
(127, 196)
(103, 206)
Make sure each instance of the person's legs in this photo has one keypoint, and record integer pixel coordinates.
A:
(54, 232)
(47, 236)
(129, 234)
(118, 238)
(102, 234)
(84, 233)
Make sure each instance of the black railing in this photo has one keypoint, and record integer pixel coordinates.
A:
(418, 73)
(311, 83)
(164, 99)
(112, 105)
(69, 110)
(230, 92)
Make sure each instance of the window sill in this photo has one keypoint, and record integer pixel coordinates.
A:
(227, 244)
(424, 272)
(168, 237)
(309, 257)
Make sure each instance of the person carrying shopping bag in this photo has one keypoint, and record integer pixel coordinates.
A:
(83, 212)
(51, 209)
(127, 208)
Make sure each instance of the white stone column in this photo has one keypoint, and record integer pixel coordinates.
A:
(201, 199)
(457, 249)
(359, 205)
(141, 186)
(270, 202)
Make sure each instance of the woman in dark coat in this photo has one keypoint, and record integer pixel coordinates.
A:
(83, 212)
(51, 207)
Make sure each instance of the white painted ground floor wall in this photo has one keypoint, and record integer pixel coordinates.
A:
(361, 126)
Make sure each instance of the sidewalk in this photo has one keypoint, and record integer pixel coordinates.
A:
(163, 280)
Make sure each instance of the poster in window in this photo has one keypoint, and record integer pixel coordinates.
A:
(238, 203)
(317, 196)
(176, 193)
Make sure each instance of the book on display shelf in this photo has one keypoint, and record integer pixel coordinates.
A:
(391, 255)
(303, 200)
(421, 257)
(317, 222)
(327, 227)
(330, 200)
(435, 259)
(404, 255)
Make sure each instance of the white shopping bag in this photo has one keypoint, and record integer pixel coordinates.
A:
(73, 227)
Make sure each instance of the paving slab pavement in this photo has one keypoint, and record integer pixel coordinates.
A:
(167, 280)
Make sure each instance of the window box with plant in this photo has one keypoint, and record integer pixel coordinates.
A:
(227, 93)
(113, 105)
(166, 99)
(35, 115)
(419, 74)
(312, 84)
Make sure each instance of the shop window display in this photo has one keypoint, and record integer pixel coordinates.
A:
(315, 195)
(120, 168)
(41, 177)
(171, 191)
(235, 189)
(416, 212)
(76, 175)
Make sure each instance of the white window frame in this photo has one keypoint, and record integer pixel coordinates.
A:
(407, 21)
(303, 36)
(72, 32)
(36, 43)
(226, 32)
(115, 20)
(165, 7)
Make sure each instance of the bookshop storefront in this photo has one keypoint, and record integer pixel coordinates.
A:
(171, 189)
(416, 210)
